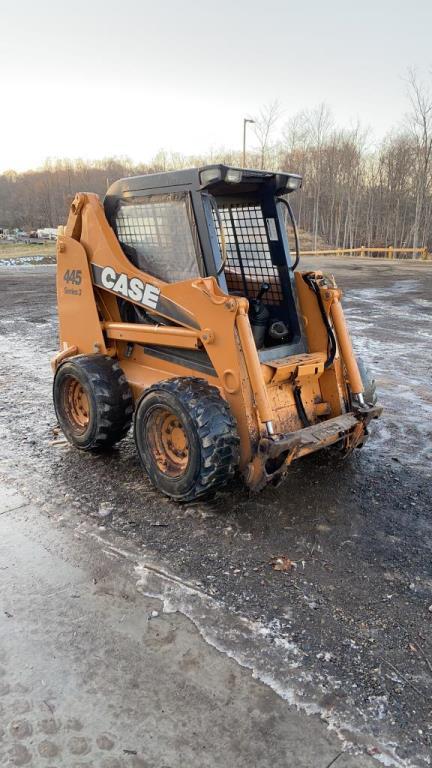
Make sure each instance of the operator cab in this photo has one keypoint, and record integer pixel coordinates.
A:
(221, 221)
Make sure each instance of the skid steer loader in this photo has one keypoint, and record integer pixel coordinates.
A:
(180, 310)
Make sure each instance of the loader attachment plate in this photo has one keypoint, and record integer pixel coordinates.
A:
(276, 453)
(310, 438)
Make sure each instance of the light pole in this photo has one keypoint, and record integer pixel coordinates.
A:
(245, 121)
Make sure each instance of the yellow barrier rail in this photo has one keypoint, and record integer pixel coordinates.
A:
(388, 252)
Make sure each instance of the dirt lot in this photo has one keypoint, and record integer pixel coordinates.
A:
(347, 633)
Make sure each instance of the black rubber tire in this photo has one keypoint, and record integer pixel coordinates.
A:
(210, 429)
(369, 385)
(109, 398)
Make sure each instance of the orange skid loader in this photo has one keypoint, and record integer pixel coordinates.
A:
(181, 311)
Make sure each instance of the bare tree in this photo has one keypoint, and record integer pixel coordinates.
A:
(295, 132)
(420, 122)
(319, 123)
(264, 125)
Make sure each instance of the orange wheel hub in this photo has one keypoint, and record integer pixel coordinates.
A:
(168, 441)
(77, 405)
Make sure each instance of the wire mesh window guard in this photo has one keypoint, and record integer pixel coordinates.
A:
(158, 239)
(249, 261)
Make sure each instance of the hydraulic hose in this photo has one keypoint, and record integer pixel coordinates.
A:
(333, 346)
(300, 407)
(295, 230)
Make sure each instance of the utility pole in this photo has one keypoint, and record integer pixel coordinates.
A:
(246, 120)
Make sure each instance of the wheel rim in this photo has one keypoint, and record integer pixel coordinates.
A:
(76, 404)
(168, 443)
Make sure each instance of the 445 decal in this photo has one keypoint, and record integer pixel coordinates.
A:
(73, 276)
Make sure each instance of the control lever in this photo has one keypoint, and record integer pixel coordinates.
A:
(259, 316)
(264, 288)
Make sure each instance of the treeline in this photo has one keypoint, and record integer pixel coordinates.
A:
(353, 193)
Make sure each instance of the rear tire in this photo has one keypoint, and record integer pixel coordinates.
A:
(186, 438)
(93, 402)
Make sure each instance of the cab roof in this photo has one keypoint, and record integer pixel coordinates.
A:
(219, 179)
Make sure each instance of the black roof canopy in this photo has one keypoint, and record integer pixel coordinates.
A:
(219, 179)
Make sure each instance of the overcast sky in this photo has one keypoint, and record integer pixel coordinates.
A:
(104, 77)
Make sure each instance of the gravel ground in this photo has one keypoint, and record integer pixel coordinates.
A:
(347, 632)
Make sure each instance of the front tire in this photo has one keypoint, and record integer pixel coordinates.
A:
(93, 402)
(186, 438)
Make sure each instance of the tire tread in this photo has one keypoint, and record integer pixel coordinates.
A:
(216, 428)
(113, 397)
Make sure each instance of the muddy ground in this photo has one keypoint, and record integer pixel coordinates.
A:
(347, 632)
